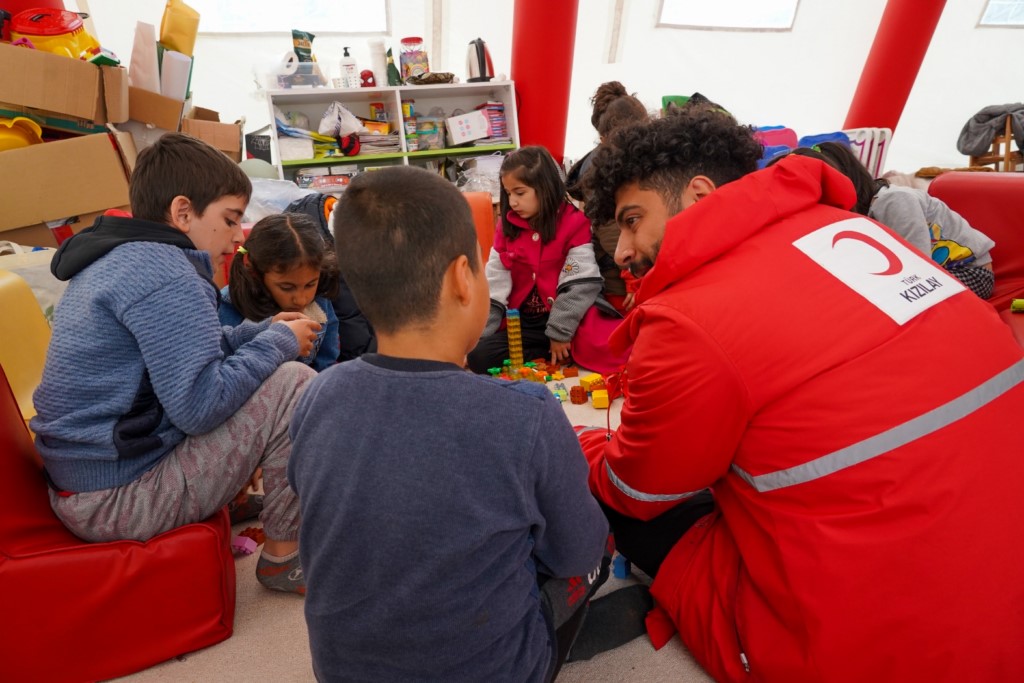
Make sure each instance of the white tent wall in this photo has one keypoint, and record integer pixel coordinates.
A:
(804, 78)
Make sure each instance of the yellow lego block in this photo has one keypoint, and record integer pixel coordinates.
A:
(590, 381)
(599, 398)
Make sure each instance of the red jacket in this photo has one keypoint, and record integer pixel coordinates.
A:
(855, 411)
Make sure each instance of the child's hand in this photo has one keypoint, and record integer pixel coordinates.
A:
(285, 316)
(305, 331)
(559, 351)
(629, 301)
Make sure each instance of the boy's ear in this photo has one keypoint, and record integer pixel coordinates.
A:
(180, 213)
(461, 277)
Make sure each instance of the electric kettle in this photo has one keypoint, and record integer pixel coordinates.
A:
(478, 62)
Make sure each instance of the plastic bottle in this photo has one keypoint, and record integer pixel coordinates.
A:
(349, 72)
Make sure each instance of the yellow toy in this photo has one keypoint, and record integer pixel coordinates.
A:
(53, 30)
(19, 132)
(515, 337)
(591, 382)
(599, 398)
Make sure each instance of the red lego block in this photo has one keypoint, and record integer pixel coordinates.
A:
(578, 395)
(571, 371)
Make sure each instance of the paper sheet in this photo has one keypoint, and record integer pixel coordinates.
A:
(143, 71)
(174, 72)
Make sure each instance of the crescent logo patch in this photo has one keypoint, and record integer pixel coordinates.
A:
(902, 286)
(894, 263)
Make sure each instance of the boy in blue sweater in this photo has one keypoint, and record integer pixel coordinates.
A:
(150, 414)
(448, 531)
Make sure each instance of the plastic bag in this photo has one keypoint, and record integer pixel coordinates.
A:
(338, 121)
(481, 174)
(270, 197)
(32, 264)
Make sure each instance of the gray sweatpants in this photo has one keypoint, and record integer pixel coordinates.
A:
(203, 473)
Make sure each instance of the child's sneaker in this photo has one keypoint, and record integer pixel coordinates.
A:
(281, 574)
(245, 507)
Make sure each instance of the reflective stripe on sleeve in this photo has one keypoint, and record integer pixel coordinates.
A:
(891, 439)
(640, 495)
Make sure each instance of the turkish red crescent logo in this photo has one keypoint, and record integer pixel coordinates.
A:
(895, 265)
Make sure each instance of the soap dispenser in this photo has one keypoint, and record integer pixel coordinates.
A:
(349, 72)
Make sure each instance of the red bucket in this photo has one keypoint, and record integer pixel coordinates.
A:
(12, 7)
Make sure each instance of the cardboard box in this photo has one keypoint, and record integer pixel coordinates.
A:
(42, 236)
(55, 180)
(468, 127)
(63, 87)
(205, 124)
(153, 109)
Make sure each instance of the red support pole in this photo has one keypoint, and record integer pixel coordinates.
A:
(896, 54)
(543, 40)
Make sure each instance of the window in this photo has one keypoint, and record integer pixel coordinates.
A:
(274, 16)
(740, 15)
(1003, 13)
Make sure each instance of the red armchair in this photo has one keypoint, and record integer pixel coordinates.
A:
(77, 611)
(991, 202)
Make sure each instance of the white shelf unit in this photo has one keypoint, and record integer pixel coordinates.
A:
(313, 102)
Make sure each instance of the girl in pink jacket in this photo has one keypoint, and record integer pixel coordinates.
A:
(542, 263)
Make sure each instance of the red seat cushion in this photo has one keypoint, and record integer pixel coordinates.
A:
(88, 611)
(991, 202)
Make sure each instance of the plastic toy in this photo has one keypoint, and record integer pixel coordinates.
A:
(620, 567)
(571, 371)
(255, 533)
(515, 337)
(591, 382)
(53, 30)
(243, 545)
(1017, 306)
(599, 398)
(578, 395)
(19, 131)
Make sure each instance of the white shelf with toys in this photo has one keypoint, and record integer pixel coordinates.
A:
(406, 109)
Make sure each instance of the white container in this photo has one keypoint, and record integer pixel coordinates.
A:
(349, 72)
(378, 61)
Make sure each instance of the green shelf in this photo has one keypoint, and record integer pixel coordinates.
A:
(369, 158)
(452, 151)
(359, 158)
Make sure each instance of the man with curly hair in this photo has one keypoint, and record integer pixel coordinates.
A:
(817, 493)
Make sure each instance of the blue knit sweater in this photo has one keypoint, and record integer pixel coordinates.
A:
(138, 360)
(427, 513)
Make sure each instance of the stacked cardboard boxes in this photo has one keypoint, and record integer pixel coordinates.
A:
(69, 181)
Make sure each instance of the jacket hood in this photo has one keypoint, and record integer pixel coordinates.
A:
(108, 232)
(739, 210)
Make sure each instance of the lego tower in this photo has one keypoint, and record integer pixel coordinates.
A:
(515, 337)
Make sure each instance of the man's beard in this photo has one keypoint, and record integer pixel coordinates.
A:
(639, 267)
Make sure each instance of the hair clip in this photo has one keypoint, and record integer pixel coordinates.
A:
(816, 148)
(242, 250)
